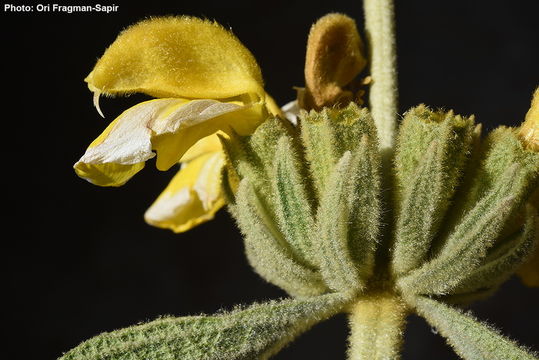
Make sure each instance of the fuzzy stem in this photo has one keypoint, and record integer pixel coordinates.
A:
(377, 326)
(380, 28)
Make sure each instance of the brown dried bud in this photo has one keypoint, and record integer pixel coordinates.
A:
(334, 58)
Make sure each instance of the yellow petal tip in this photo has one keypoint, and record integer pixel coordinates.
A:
(529, 130)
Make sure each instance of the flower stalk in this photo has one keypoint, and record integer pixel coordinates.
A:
(377, 325)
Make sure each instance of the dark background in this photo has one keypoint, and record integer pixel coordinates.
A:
(80, 260)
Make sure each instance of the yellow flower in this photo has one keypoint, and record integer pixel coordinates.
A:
(205, 81)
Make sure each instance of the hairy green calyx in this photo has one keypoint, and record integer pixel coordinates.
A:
(311, 207)
(312, 195)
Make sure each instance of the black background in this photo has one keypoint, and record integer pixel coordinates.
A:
(80, 260)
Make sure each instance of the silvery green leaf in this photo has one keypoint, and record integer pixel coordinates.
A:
(256, 332)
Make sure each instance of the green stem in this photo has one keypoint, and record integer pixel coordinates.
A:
(380, 32)
(377, 326)
(380, 28)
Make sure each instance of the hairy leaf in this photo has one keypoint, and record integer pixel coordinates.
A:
(256, 332)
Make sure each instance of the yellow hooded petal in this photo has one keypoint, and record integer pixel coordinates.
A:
(177, 57)
(192, 197)
(168, 126)
(174, 134)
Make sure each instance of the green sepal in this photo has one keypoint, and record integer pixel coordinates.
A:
(328, 134)
(468, 244)
(364, 205)
(418, 216)
(256, 332)
(504, 260)
(418, 130)
(253, 156)
(292, 201)
(336, 264)
(469, 175)
(471, 339)
(348, 219)
(432, 150)
(501, 150)
(229, 178)
(268, 251)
